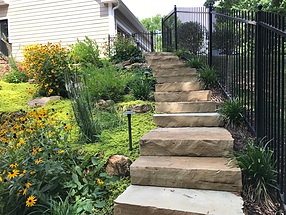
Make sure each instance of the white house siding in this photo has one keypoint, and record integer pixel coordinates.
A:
(42, 21)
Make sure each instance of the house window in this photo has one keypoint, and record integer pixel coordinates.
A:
(4, 37)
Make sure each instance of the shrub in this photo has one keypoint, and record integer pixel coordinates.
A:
(124, 49)
(208, 76)
(106, 83)
(85, 52)
(141, 90)
(15, 76)
(259, 172)
(47, 64)
(232, 112)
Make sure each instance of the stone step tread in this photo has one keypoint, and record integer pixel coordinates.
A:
(186, 163)
(172, 70)
(183, 96)
(172, 120)
(179, 86)
(186, 107)
(186, 114)
(188, 133)
(208, 173)
(150, 54)
(187, 141)
(179, 78)
(146, 200)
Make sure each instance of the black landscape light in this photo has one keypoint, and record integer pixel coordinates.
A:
(147, 72)
(129, 113)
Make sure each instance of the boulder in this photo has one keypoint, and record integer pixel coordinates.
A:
(42, 101)
(141, 108)
(118, 165)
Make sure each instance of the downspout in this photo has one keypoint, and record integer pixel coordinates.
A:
(116, 7)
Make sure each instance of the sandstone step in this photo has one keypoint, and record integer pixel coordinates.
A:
(174, 70)
(177, 78)
(199, 95)
(145, 200)
(151, 54)
(165, 59)
(188, 120)
(196, 141)
(177, 66)
(207, 173)
(179, 86)
(186, 107)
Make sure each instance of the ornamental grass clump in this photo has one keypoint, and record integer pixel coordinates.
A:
(259, 170)
(46, 64)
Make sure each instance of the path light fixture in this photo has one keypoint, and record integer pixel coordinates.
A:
(147, 72)
(129, 113)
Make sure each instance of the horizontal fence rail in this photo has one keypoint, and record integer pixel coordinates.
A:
(248, 50)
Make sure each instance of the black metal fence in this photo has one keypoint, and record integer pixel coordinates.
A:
(186, 28)
(248, 49)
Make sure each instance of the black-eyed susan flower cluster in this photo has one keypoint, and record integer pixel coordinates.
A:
(36, 165)
(47, 65)
(32, 163)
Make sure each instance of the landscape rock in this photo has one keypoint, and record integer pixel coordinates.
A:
(118, 165)
(42, 101)
(141, 108)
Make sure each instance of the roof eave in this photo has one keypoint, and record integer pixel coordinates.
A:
(130, 16)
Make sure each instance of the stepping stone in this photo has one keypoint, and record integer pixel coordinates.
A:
(207, 173)
(145, 200)
(179, 86)
(188, 120)
(197, 141)
(199, 95)
(186, 107)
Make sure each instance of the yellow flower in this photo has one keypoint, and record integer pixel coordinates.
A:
(1, 179)
(25, 191)
(61, 151)
(100, 182)
(24, 171)
(28, 184)
(13, 174)
(13, 165)
(39, 160)
(32, 172)
(31, 201)
(50, 91)
(19, 192)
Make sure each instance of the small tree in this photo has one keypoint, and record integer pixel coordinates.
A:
(190, 36)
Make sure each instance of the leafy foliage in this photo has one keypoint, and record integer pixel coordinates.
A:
(190, 36)
(153, 24)
(85, 53)
(232, 111)
(259, 170)
(125, 49)
(47, 65)
(106, 83)
(208, 75)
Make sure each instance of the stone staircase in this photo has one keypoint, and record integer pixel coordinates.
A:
(183, 168)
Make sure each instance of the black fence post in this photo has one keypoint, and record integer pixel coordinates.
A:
(259, 77)
(152, 41)
(163, 35)
(210, 57)
(176, 28)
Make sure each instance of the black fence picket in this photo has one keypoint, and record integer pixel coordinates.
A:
(248, 50)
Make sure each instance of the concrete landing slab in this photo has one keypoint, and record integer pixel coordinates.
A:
(207, 173)
(193, 141)
(145, 200)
